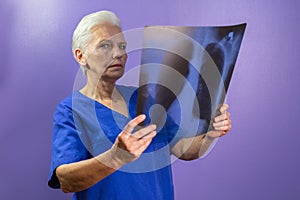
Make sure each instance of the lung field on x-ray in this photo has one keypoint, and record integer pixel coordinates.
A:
(187, 71)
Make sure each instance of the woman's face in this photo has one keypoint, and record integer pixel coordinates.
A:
(106, 53)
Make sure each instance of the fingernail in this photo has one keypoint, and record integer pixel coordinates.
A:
(142, 116)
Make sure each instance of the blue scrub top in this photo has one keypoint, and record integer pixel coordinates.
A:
(84, 128)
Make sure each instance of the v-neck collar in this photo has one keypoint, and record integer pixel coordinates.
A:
(102, 106)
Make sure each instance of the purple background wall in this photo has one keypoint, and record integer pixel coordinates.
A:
(259, 159)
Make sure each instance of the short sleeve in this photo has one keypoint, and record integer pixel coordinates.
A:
(66, 144)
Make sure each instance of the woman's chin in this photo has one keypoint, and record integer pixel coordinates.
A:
(113, 75)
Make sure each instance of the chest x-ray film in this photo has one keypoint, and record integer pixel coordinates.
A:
(185, 73)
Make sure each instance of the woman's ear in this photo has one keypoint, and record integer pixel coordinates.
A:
(80, 57)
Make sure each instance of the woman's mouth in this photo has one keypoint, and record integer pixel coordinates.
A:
(116, 65)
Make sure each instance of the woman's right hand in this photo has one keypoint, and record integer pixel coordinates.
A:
(130, 145)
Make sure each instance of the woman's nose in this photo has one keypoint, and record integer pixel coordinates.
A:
(117, 52)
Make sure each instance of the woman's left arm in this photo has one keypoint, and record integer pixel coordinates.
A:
(195, 147)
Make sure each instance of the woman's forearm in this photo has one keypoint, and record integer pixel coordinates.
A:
(195, 147)
(81, 175)
(192, 148)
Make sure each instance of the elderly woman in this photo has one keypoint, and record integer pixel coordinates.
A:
(79, 163)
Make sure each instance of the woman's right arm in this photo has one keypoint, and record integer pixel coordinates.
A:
(78, 176)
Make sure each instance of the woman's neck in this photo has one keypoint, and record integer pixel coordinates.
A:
(107, 94)
(99, 90)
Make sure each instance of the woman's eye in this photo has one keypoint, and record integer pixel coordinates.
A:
(105, 46)
(123, 46)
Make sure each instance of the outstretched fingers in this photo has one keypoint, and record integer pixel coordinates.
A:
(133, 123)
(130, 143)
(146, 132)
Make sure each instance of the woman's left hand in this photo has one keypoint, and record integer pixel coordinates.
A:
(221, 123)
